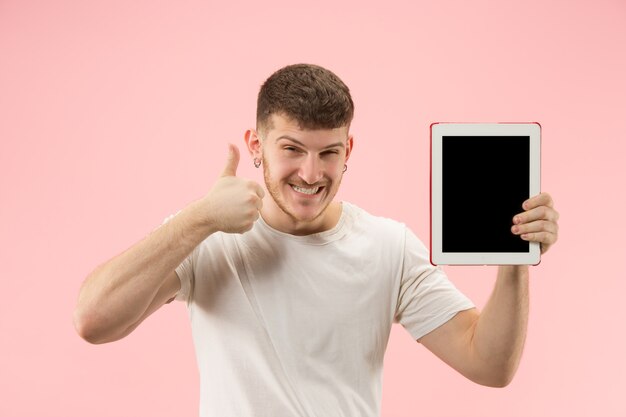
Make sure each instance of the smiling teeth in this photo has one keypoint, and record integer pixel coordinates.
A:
(305, 190)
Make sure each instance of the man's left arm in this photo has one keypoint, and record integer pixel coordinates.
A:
(487, 346)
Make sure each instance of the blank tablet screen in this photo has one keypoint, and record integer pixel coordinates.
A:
(485, 180)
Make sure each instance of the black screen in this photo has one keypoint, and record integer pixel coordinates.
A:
(485, 181)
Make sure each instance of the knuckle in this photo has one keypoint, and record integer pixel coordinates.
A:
(252, 199)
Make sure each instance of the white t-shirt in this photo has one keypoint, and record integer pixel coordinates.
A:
(289, 325)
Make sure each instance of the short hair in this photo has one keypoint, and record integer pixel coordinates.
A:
(312, 96)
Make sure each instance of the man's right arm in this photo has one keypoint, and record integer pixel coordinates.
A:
(118, 295)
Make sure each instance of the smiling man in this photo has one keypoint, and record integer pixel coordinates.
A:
(302, 171)
(291, 294)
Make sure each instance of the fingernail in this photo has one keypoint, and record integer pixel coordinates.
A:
(515, 229)
(517, 220)
(525, 236)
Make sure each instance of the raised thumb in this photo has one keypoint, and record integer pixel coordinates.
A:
(230, 170)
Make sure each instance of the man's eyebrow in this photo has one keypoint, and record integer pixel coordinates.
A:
(332, 145)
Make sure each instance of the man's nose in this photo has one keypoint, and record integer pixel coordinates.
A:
(311, 170)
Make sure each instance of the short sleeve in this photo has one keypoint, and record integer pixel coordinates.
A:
(185, 275)
(184, 271)
(427, 299)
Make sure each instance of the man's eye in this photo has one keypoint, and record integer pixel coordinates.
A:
(333, 152)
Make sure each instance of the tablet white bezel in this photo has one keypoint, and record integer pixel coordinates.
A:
(438, 130)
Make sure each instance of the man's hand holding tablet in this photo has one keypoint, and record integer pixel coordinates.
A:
(498, 165)
(538, 223)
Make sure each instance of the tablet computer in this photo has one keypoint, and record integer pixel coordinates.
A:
(481, 173)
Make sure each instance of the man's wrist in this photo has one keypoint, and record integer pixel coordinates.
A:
(192, 225)
(513, 271)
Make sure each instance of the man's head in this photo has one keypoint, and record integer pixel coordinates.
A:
(310, 95)
(303, 116)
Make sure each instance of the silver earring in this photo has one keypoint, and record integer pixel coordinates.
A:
(257, 162)
(345, 168)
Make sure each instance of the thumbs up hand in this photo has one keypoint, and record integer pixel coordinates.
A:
(233, 204)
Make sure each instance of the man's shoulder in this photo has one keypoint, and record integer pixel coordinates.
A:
(372, 223)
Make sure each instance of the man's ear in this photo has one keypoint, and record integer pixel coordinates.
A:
(253, 142)
(349, 144)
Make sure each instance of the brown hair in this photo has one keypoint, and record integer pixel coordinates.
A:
(312, 96)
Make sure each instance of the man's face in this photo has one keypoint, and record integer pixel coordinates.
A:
(302, 171)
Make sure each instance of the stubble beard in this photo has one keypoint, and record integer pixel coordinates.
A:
(275, 193)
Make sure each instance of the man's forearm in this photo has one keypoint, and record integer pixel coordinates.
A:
(500, 331)
(117, 293)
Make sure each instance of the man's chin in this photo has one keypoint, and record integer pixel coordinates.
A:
(302, 216)
(306, 214)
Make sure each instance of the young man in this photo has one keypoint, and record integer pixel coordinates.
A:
(291, 294)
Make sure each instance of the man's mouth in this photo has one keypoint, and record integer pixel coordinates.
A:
(306, 190)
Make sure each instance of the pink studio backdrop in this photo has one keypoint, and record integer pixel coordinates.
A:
(115, 114)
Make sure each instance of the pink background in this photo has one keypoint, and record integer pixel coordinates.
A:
(115, 114)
